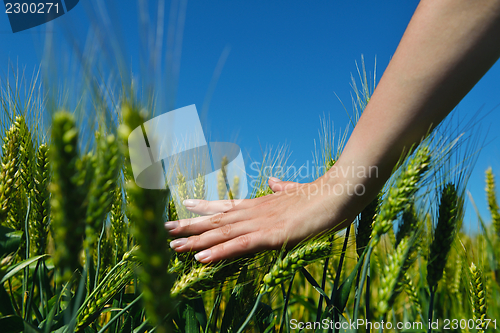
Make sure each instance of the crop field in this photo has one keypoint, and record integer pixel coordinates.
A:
(83, 248)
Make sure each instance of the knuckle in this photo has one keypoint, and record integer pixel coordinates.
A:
(204, 205)
(194, 239)
(225, 230)
(185, 223)
(216, 219)
(244, 241)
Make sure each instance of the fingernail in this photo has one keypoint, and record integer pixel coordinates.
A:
(178, 242)
(190, 203)
(202, 255)
(171, 225)
(274, 179)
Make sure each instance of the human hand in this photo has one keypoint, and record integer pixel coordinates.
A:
(232, 228)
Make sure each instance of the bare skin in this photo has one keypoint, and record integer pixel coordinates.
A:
(447, 47)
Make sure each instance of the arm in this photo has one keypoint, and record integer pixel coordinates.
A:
(448, 46)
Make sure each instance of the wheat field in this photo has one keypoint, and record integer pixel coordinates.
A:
(83, 248)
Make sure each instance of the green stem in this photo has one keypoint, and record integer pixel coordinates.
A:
(338, 273)
(323, 283)
(287, 299)
(361, 284)
(431, 309)
(125, 309)
(250, 315)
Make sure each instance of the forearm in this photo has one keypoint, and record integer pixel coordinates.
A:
(448, 46)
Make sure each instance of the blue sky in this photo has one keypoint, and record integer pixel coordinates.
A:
(286, 63)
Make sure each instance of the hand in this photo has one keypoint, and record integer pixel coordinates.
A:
(236, 227)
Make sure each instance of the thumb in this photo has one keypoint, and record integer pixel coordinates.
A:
(277, 185)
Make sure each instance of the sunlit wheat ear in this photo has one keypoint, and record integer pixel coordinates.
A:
(67, 198)
(118, 224)
(101, 189)
(492, 200)
(108, 288)
(5, 263)
(183, 193)
(401, 192)
(172, 212)
(221, 186)
(444, 234)
(40, 201)
(299, 257)
(193, 282)
(411, 290)
(478, 297)
(393, 274)
(199, 278)
(199, 190)
(146, 211)
(10, 150)
(364, 227)
(235, 189)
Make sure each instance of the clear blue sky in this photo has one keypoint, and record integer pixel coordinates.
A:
(287, 61)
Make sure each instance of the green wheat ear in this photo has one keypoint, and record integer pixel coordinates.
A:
(401, 193)
(146, 212)
(443, 235)
(393, 274)
(478, 297)
(302, 255)
(26, 154)
(10, 151)
(101, 190)
(41, 200)
(118, 224)
(492, 200)
(67, 200)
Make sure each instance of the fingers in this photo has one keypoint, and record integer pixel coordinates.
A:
(278, 185)
(235, 247)
(198, 225)
(205, 207)
(212, 237)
